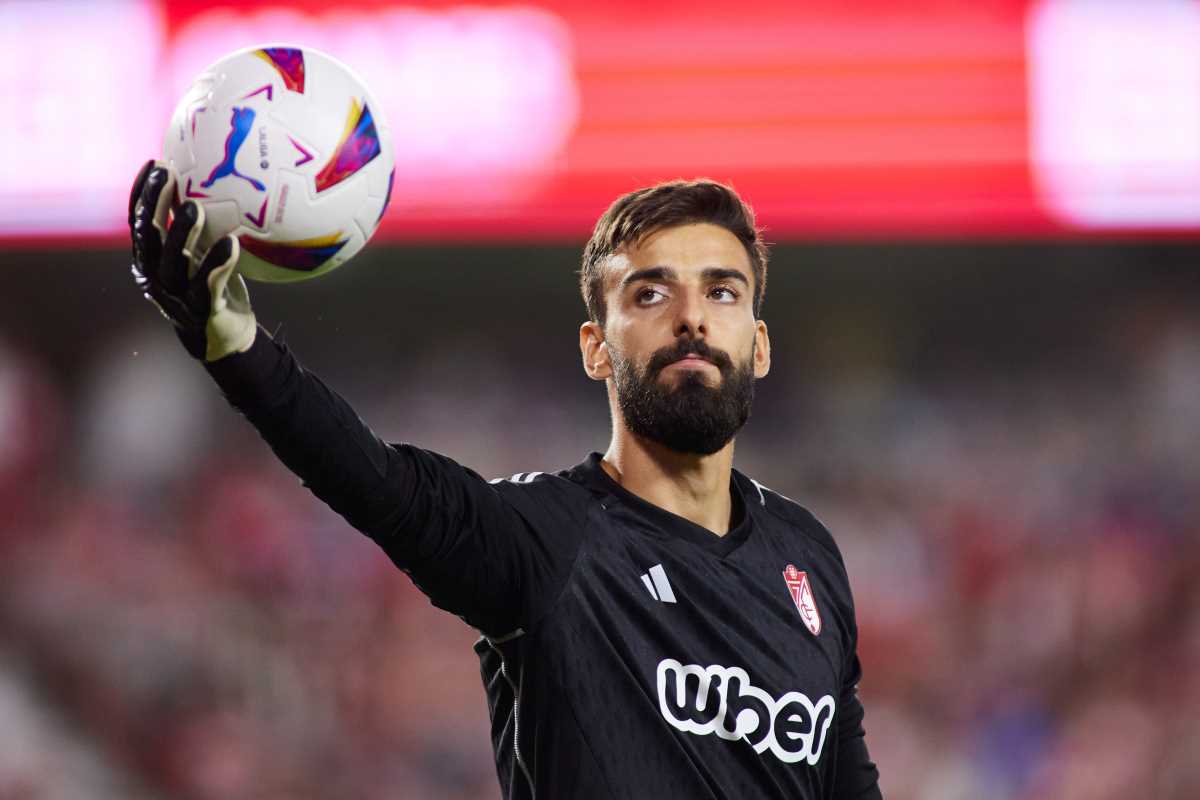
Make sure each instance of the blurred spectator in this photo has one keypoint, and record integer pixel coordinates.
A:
(1023, 549)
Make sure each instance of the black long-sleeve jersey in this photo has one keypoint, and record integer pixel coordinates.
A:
(626, 651)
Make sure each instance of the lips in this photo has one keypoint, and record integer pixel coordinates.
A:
(688, 355)
(692, 359)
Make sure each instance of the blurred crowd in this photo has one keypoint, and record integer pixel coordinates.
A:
(179, 618)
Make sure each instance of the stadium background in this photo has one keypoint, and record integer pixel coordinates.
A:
(985, 312)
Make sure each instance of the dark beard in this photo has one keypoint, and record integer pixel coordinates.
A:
(690, 417)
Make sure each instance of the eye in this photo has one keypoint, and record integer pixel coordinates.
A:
(723, 293)
(647, 296)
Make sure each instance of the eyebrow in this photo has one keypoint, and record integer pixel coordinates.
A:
(667, 274)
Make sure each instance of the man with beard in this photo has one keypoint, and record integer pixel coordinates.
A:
(654, 623)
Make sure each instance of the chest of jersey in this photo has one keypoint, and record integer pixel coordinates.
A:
(747, 647)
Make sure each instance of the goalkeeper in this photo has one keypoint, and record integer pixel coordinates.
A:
(654, 622)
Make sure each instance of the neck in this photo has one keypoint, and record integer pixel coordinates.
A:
(692, 486)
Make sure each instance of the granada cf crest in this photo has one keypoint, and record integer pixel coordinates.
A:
(802, 596)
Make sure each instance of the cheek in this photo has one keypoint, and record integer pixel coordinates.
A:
(628, 341)
(618, 351)
(744, 352)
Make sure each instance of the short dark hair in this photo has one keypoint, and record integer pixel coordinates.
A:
(636, 215)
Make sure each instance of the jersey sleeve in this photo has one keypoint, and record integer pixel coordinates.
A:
(471, 550)
(857, 776)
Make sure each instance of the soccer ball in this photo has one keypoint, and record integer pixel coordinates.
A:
(284, 147)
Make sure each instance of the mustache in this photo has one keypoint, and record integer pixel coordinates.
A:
(688, 347)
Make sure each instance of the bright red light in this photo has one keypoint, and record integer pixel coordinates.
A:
(833, 119)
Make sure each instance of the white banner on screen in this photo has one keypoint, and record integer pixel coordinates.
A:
(81, 112)
(1115, 111)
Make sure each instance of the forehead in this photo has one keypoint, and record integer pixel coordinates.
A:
(685, 248)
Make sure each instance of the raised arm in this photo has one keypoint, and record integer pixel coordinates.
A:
(472, 551)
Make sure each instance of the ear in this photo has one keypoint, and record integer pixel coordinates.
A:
(762, 350)
(594, 350)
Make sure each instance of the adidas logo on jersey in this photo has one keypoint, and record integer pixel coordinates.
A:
(657, 584)
(722, 701)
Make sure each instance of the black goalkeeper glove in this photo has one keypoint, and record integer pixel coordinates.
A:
(200, 293)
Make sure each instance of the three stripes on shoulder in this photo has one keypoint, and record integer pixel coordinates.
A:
(520, 477)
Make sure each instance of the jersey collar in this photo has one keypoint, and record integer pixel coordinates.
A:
(592, 474)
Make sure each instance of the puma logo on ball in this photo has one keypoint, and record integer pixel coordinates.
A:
(240, 124)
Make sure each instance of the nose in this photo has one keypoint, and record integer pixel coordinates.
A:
(689, 315)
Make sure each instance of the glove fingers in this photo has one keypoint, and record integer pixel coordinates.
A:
(158, 191)
(162, 253)
(171, 306)
(236, 295)
(179, 249)
(150, 199)
(139, 183)
(147, 239)
(206, 290)
(231, 325)
(163, 201)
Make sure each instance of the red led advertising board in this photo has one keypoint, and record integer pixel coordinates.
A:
(871, 119)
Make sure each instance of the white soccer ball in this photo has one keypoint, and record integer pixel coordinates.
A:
(286, 148)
